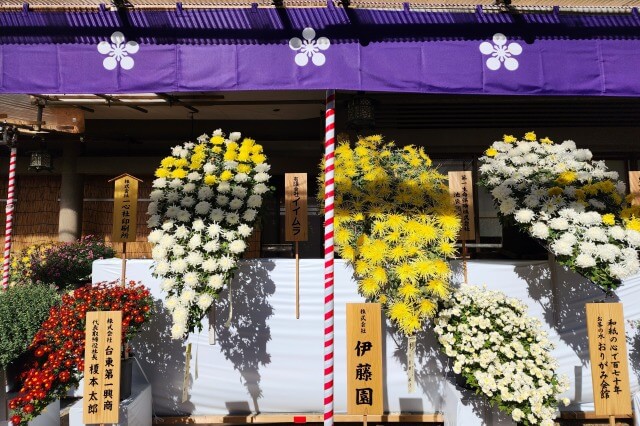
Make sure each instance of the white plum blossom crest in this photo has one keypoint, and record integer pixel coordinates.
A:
(501, 53)
(309, 48)
(118, 52)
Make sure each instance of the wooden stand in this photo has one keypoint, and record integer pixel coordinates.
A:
(124, 263)
(464, 261)
(612, 420)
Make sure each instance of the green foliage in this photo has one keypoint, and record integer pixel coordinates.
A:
(23, 308)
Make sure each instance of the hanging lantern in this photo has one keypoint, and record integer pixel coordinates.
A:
(360, 112)
(40, 160)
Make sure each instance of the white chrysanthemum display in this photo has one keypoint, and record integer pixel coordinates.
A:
(204, 204)
(501, 352)
(573, 204)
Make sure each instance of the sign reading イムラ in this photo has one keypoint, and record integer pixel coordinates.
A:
(608, 355)
(295, 198)
(461, 190)
(101, 397)
(125, 209)
(364, 359)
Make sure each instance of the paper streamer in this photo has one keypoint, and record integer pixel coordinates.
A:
(329, 160)
(411, 364)
(185, 382)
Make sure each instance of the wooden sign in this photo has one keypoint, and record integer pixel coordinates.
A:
(364, 359)
(608, 355)
(125, 208)
(101, 396)
(461, 190)
(634, 187)
(295, 199)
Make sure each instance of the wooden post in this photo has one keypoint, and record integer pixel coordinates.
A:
(295, 196)
(612, 420)
(297, 282)
(124, 263)
(464, 261)
(125, 212)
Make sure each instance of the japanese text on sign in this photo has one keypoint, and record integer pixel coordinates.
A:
(296, 207)
(102, 367)
(461, 191)
(364, 359)
(634, 187)
(608, 354)
(125, 209)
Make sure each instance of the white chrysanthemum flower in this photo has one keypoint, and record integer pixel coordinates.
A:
(222, 200)
(187, 296)
(175, 184)
(181, 232)
(621, 187)
(155, 235)
(178, 330)
(173, 211)
(187, 201)
(540, 230)
(153, 221)
(216, 281)
(559, 224)
(183, 216)
(260, 189)
(189, 187)
(585, 261)
(237, 246)
(532, 201)
(178, 250)
(167, 241)
(194, 176)
(171, 302)
(245, 230)
(508, 206)
(232, 218)
(211, 246)
(189, 145)
(241, 177)
(562, 247)
(608, 252)
(198, 225)
(230, 165)
(238, 191)
(159, 253)
(216, 215)
(162, 267)
(203, 138)
(598, 204)
(203, 207)
(596, 234)
(217, 132)
(254, 201)
(524, 216)
(204, 301)
(179, 266)
(261, 177)
(226, 263)
(210, 265)
(209, 168)
(175, 151)
(194, 258)
(191, 279)
(156, 195)
(249, 215)
(214, 230)
(229, 235)
(617, 232)
(160, 183)
(166, 226)
(235, 136)
(235, 204)
(262, 168)
(195, 241)
(205, 193)
(224, 187)
(633, 237)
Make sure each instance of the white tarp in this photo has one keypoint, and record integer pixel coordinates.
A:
(268, 362)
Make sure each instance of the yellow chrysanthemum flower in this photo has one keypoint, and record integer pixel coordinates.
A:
(530, 136)
(348, 253)
(210, 179)
(244, 168)
(633, 224)
(369, 287)
(449, 222)
(546, 141)
(226, 175)
(438, 288)
(427, 308)
(447, 248)
(609, 219)
(566, 178)
(408, 291)
(179, 174)
(217, 140)
(162, 173)
(258, 158)
(230, 155)
(181, 162)
(405, 272)
(491, 152)
(379, 274)
(555, 191)
(509, 139)
(167, 162)
(342, 236)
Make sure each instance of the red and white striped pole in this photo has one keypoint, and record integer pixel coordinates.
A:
(9, 218)
(329, 160)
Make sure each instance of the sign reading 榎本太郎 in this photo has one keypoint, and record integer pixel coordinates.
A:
(295, 206)
(634, 187)
(364, 359)
(125, 209)
(608, 355)
(461, 190)
(101, 395)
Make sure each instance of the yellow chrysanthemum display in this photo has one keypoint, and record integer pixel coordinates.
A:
(395, 224)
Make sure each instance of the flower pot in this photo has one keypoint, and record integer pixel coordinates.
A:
(126, 374)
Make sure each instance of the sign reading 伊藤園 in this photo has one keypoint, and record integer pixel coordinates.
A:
(364, 359)
(101, 396)
(608, 355)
